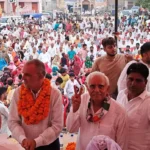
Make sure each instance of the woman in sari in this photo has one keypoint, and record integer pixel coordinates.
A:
(77, 65)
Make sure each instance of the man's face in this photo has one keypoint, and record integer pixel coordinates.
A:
(34, 50)
(146, 57)
(85, 47)
(32, 44)
(4, 96)
(137, 46)
(63, 74)
(17, 41)
(61, 49)
(52, 45)
(72, 78)
(97, 88)
(91, 49)
(111, 50)
(136, 83)
(31, 76)
(71, 47)
(44, 51)
(132, 41)
(123, 42)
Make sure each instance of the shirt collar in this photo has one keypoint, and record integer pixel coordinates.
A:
(1, 102)
(142, 96)
(36, 95)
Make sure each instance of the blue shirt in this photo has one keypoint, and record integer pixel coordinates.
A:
(71, 54)
(3, 63)
(39, 51)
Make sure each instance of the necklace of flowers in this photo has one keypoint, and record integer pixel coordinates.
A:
(98, 117)
(34, 110)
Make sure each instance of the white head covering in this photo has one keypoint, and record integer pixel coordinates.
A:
(102, 142)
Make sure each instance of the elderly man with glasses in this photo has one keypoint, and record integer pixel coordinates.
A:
(96, 113)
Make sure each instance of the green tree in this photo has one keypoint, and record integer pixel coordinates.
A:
(144, 3)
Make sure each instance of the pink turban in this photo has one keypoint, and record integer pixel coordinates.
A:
(102, 142)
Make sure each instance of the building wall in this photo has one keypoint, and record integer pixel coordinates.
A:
(111, 4)
(21, 6)
(3, 5)
(130, 3)
(49, 5)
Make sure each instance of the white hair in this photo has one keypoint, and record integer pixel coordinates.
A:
(97, 73)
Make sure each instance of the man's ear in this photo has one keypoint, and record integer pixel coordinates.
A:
(104, 49)
(146, 81)
(108, 88)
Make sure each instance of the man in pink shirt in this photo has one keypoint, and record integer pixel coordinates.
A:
(36, 116)
(96, 113)
(83, 52)
(136, 101)
(68, 26)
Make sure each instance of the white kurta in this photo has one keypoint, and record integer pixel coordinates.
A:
(46, 131)
(44, 57)
(4, 118)
(138, 110)
(113, 124)
(69, 88)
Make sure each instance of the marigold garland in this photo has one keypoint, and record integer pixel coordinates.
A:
(71, 146)
(33, 111)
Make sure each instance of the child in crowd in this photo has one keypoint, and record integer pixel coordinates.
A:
(64, 76)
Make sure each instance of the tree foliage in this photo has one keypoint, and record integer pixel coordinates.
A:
(144, 3)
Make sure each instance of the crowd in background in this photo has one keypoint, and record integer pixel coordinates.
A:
(67, 48)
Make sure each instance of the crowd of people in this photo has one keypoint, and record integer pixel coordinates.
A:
(105, 81)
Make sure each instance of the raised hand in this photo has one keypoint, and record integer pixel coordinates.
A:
(76, 99)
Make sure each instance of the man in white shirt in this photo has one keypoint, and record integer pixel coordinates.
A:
(52, 50)
(44, 56)
(26, 54)
(17, 46)
(35, 118)
(5, 31)
(145, 52)
(4, 112)
(136, 101)
(34, 53)
(96, 113)
(69, 86)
